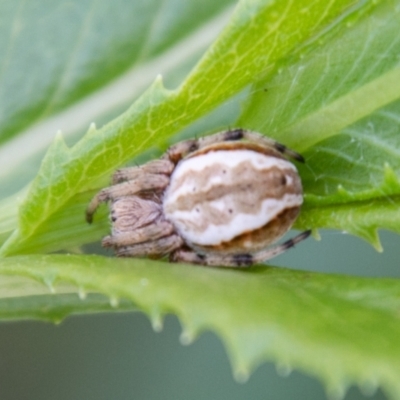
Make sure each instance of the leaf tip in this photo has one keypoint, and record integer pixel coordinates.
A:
(378, 246)
(59, 142)
(82, 294)
(158, 78)
(336, 392)
(190, 331)
(241, 374)
(369, 234)
(156, 319)
(369, 387)
(283, 368)
(49, 282)
(58, 150)
(114, 302)
(375, 240)
(390, 176)
(158, 83)
(92, 128)
(187, 337)
(315, 234)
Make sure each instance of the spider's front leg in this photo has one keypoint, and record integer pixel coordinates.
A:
(235, 260)
(184, 255)
(143, 182)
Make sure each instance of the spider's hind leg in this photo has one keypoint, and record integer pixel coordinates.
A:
(267, 254)
(238, 134)
(236, 260)
(178, 151)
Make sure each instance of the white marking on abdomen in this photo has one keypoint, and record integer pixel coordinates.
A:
(226, 158)
(188, 223)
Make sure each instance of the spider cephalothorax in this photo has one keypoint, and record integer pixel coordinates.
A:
(218, 200)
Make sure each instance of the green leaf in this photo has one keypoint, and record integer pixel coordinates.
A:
(340, 329)
(337, 101)
(73, 48)
(54, 309)
(325, 81)
(242, 52)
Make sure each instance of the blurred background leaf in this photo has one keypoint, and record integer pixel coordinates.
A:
(56, 54)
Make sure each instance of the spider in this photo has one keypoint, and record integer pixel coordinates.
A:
(220, 200)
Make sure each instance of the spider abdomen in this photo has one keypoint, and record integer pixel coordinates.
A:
(233, 197)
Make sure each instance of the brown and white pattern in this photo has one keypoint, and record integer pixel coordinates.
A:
(217, 200)
(215, 197)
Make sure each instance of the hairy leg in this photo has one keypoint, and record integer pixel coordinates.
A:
(148, 233)
(143, 182)
(179, 150)
(158, 248)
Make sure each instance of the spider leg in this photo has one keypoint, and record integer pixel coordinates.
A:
(238, 134)
(156, 248)
(143, 182)
(236, 260)
(181, 149)
(164, 167)
(148, 233)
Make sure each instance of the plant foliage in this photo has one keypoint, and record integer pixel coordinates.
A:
(323, 78)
